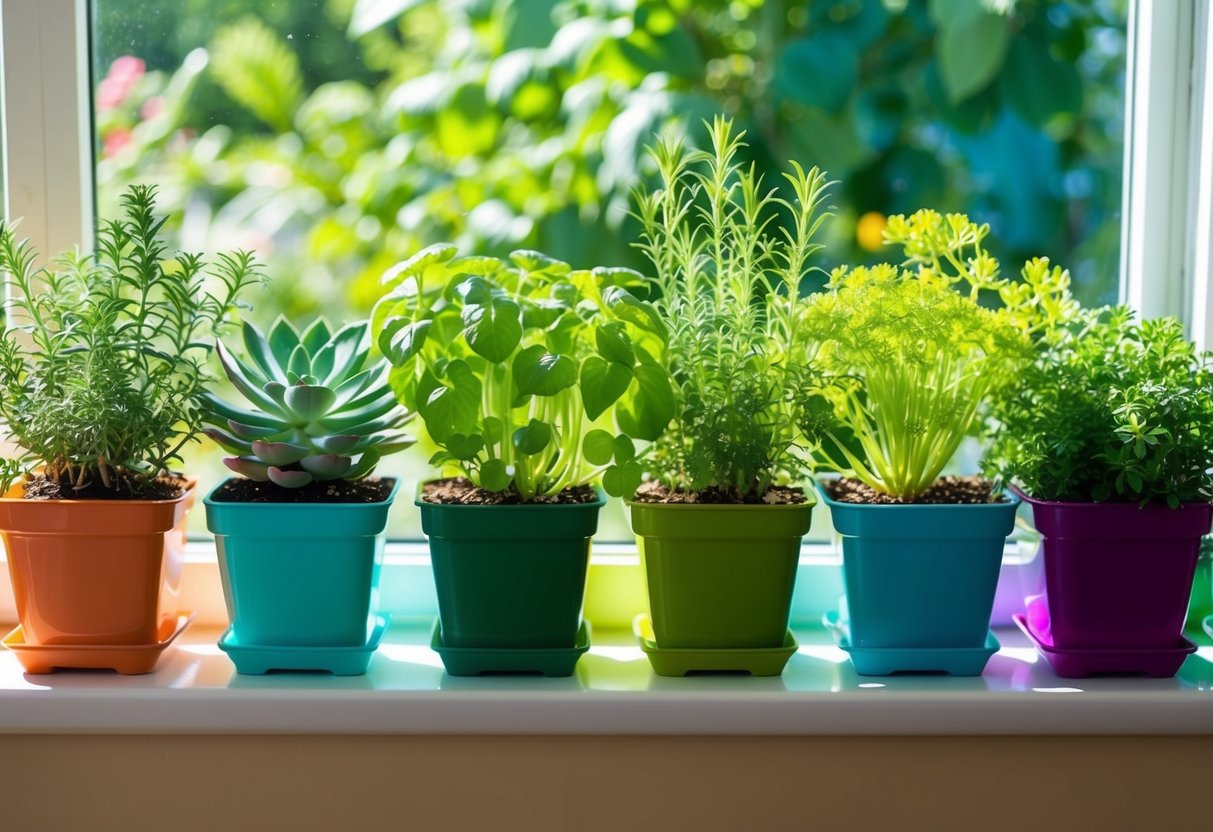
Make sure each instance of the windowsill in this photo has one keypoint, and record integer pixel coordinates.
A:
(196, 690)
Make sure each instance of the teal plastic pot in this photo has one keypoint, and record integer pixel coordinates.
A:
(510, 576)
(720, 576)
(300, 574)
(921, 576)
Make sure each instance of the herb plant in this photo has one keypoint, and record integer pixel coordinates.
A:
(528, 375)
(727, 284)
(321, 409)
(103, 370)
(1112, 409)
(911, 355)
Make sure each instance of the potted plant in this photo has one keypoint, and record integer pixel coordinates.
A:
(102, 378)
(721, 519)
(532, 380)
(300, 532)
(1109, 437)
(910, 356)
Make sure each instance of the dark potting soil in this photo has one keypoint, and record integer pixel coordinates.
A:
(161, 488)
(459, 491)
(949, 490)
(329, 491)
(776, 495)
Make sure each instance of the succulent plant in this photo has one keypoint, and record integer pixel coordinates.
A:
(320, 409)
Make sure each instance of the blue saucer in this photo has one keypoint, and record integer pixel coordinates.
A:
(885, 661)
(257, 659)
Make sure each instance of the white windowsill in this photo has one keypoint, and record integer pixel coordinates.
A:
(196, 690)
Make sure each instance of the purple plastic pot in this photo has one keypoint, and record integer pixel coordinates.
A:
(1115, 575)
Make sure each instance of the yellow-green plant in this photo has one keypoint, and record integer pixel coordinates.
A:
(911, 354)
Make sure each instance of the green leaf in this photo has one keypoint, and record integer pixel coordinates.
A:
(400, 340)
(464, 447)
(309, 402)
(493, 329)
(539, 373)
(371, 14)
(493, 429)
(316, 336)
(257, 69)
(628, 307)
(602, 383)
(648, 406)
(614, 344)
(300, 363)
(452, 407)
(598, 447)
(819, 71)
(622, 480)
(283, 339)
(494, 476)
(625, 449)
(970, 53)
(532, 438)
(259, 351)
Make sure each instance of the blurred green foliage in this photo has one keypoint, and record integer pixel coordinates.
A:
(338, 137)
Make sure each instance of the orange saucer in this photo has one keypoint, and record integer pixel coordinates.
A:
(127, 659)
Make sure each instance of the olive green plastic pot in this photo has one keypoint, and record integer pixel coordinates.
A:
(720, 576)
(510, 576)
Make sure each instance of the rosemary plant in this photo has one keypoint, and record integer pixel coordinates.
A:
(103, 370)
(729, 258)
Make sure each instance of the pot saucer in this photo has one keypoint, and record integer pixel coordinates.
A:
(679, 661)
(259, 659)
(476, 661)
(886, 661)
(126, 659)
(1078, 663)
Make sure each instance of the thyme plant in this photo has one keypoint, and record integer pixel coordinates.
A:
(727, 284)
(1111, 409)
(912, 355)
(103, 369)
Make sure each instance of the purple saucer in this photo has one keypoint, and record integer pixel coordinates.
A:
(1078, 663)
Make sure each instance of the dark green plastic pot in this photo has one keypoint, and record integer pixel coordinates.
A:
(510, 576)
(921, 576)
(300, 574)
(720, 576)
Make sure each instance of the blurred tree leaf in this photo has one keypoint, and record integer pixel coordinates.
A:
(254, 66)
(1038, 86)
(371, 14)
(970, 52)
(819, 71)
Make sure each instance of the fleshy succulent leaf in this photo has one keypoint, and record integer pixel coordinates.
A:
(253, 469)
(309, 402)
(316, 336)
(260, 352)
(344, 355)
(327, 466)
(218, 410)
(300, 363)
(283, 339)
(279, 453)
(237, 375)
(230, 443)
(289, 479)
(339, 444)
(251, 432)
(364, 466)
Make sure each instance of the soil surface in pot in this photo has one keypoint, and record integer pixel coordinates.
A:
(329, 491)
(777, 495)
(459, 491)
(161, 488)
(947, 490)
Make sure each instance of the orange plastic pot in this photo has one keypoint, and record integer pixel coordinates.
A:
(95, 571)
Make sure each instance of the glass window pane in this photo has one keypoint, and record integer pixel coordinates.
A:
(337, 136)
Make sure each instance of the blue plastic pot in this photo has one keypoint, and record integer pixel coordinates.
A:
(300, 574)
(921, 576)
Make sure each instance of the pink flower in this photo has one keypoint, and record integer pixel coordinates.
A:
(124, 74)
(115, 141)
(153, 107)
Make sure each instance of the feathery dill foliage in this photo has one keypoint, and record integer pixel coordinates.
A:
(912, 355)
(102, 372)
(727, 283)
(1111, 409)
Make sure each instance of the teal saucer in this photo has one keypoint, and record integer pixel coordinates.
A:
(257, 659)
(886, 661)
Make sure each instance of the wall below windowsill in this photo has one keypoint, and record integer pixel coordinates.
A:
(196, 690)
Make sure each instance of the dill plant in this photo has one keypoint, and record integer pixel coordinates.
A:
(729, 258)
(911, 355)
(103, 368)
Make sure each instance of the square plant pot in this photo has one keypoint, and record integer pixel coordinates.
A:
(95, 572)
(720, 576)
(510, 576)
(300, 574)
